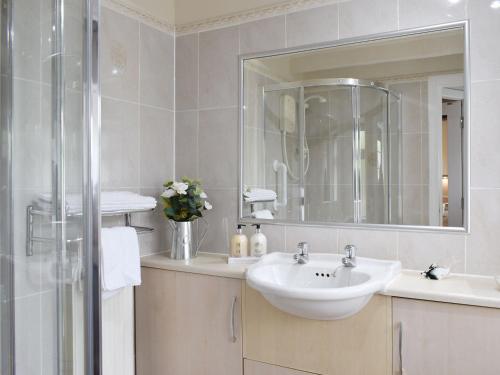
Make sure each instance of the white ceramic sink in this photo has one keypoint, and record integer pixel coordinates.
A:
(323, 288)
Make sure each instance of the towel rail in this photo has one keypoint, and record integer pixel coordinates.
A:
(32, 212)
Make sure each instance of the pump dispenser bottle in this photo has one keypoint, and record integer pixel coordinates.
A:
(258, 242)
(239, 243)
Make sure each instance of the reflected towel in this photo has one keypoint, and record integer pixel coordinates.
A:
(263, 214)
(259, 195)
(120, 259)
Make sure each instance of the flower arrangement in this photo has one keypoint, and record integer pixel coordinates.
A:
(184, 200)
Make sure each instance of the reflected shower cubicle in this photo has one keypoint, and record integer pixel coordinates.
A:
(332, 150)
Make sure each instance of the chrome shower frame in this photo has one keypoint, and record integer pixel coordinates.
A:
(463, 25)
(355, 85)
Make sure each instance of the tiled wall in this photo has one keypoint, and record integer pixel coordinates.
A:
(207, 124)
(137, 77)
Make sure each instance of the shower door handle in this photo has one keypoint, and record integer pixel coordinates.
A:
(283, 197)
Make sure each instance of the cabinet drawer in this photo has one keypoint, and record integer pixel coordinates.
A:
(259, 368)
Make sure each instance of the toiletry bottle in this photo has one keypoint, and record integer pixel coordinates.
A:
(258, 242)
(239, 243)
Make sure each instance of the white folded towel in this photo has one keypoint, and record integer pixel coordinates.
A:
(263, 214)
(120, 259)
(258, 195)
(111, 201)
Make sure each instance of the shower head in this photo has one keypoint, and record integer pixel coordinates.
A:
(320, 98)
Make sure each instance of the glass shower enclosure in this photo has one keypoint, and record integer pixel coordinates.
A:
(336, 145)
(49, 139)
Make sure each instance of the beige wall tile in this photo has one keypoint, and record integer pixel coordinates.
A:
(320, 240)
(419, 250)
(119, 144)
(485, 133)
(186, 72)
(159, 240)
(218, 145)
(119, 60)
(186, 141)
(483, 255)
(416, 13)
(312, 26)
(484, 31)
(157, 68)
(361, 17)
(157, 146)
(262, 35)
(372, 244)
(218, 68)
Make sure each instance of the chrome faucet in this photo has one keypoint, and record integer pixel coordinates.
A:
(350, 256)
(302, 256)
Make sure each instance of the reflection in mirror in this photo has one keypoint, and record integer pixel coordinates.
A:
(360, 133)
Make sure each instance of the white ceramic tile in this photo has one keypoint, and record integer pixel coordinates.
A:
(218, 74)
(157, 146)
(48, 334)
(484, 31)
(416, 13)
(120, 159)
(369, 243)
(312, 26)
(419, 250)
(186, 72)
(262, 35)
(218, 145)
(119, 56)
(320, 240)
(482, 245)
(362, 17)
(485, 132)
(186, 144)
(157, 70)
(412, 159)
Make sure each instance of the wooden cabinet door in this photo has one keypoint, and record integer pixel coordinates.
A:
(259, 368)
(445, 339)
(184, 324)
(358, 345)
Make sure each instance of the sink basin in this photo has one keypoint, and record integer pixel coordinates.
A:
(322, 289)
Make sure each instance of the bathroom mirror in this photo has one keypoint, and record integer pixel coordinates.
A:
(359, 132)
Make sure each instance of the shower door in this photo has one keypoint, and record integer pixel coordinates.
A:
(45, 105)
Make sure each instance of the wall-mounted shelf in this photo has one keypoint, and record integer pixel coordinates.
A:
(32, 212)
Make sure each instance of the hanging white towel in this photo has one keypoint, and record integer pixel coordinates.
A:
(120, 259)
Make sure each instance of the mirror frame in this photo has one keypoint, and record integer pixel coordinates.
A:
(464, 25)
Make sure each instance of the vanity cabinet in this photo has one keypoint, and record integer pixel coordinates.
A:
(361, 344)
(188, 324)
(445, 339)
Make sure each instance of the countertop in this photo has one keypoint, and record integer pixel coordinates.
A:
(457, 288)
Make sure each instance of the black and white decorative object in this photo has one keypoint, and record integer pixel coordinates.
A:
(435, 272)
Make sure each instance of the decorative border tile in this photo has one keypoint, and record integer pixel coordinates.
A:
(139, 15)
(250, 15)
(215, 22)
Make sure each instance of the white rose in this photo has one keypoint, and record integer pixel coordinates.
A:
(180, 187)
(203, 195)
(208, 206)
(169, 193)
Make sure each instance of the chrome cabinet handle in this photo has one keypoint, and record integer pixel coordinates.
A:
(400, 348)
(232, 329)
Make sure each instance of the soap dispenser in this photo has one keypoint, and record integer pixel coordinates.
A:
(258, 242)
(239, 243)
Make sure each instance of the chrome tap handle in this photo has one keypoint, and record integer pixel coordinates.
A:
(303, 248)
(350, 251)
